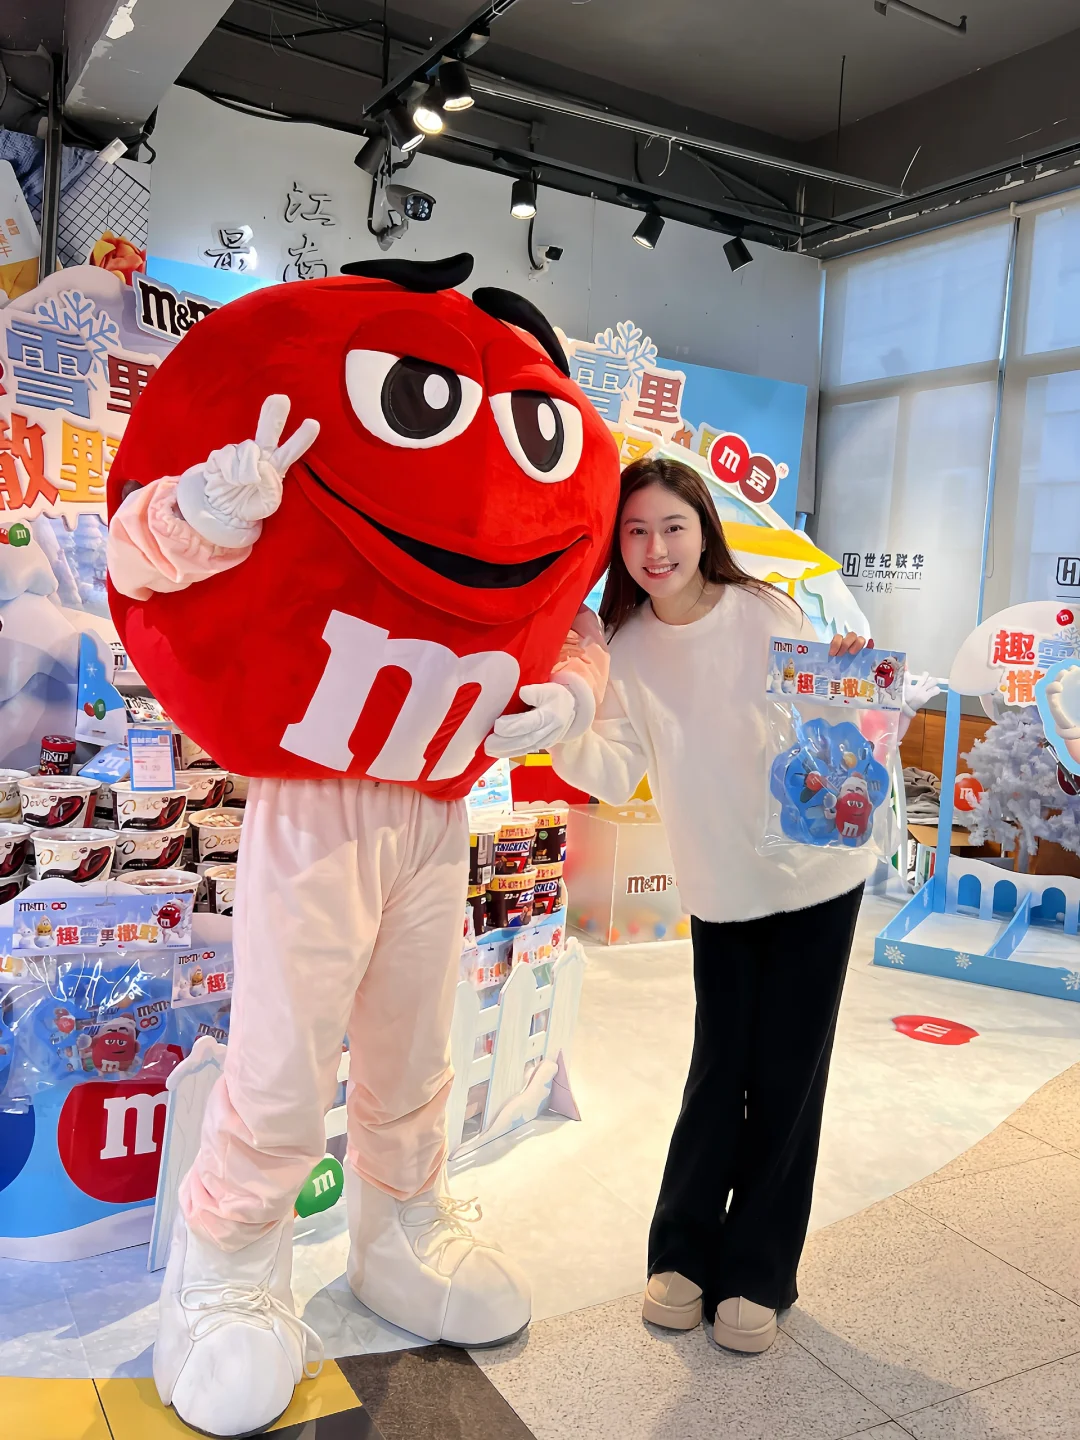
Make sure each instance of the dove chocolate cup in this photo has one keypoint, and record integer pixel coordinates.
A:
(148, 809)
(220, 887)
(74, 854)
(205, 788)
(54, 802)
(149, 849)
(175, 882)
(13, 886)
(215, 835)
(14, 848)
(10, 799)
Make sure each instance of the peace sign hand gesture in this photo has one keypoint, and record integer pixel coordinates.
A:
(227, 497)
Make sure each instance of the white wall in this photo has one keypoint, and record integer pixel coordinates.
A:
(217, 167)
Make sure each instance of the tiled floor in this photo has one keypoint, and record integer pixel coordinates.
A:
(931, 1307)
(950, 1311)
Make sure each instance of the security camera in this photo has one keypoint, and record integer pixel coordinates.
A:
(413, 204)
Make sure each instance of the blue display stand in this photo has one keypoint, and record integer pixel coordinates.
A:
(44, 1213)
(980, 891)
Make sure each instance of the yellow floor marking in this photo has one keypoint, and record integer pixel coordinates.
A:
(136, 1413)
(50, 1410)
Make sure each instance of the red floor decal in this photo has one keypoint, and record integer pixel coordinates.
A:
(934, 1030)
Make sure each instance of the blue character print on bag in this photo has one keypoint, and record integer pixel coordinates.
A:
(829, 784)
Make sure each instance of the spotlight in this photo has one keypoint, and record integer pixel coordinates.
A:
(372, 154)
(455, 85)
(403, 132)
(737, 254)
(523, 199)
(650, 230)
(427, 114)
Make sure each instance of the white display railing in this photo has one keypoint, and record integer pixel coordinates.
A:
(512, 1096)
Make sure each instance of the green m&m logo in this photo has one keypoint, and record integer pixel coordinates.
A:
(19, 534)
(322, 1188)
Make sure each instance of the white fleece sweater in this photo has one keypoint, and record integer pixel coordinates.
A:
(685, 704)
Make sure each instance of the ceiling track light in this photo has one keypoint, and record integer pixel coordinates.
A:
(454, 81)
(523, 198)
(737, 254)
(649, 231)
(884, 6)
(427, 113)
(372, 154)
(404, 133)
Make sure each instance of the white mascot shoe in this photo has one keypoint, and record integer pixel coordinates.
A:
(418, 1264)
(230, 1348)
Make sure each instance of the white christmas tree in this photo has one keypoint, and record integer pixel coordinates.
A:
(1022, 801)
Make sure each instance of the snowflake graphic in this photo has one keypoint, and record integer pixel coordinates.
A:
(74, 313)
(894, 954)
(1072, 980)
(963, 961)
(628, 343)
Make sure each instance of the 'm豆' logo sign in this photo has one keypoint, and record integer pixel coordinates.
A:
(109, 1139)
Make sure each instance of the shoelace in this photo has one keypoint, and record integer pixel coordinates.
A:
(428, 1217)
(250, 1305)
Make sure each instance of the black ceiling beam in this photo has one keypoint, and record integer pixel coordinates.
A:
(939, 199)
(460, 44)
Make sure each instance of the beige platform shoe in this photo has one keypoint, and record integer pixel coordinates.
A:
(672, 1301)
(742, 1325)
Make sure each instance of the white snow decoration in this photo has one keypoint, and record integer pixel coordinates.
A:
(894, 955)
(963, 961)
(46, 537)
(189, 1086)
(629, 344)
(1022, 802)
(73, 313)
(1072, 980)
(25, 569)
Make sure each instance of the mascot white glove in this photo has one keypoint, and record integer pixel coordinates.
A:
(919, 690)
(562, 710)
(228, 496)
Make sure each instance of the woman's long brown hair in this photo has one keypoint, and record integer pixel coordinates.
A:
(622, 595)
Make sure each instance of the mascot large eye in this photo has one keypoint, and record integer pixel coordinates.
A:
(409, 402)
(543, 434)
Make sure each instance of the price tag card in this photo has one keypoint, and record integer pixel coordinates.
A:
(152, 765)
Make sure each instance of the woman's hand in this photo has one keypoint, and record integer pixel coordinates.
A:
(849, 644)
(585, 653)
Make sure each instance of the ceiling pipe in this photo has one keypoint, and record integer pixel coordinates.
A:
(884, 6)
(681, 137)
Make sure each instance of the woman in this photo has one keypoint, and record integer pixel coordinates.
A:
(685, 704)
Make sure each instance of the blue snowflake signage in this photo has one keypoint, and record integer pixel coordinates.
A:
(749, 429)
(74, 361)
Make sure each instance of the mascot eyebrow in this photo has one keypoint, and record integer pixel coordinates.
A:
(428, 276)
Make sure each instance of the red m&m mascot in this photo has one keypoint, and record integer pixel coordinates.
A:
(343, 614)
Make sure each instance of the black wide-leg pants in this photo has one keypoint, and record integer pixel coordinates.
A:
(768, 993)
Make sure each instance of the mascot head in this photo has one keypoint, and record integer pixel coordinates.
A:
(431, 547)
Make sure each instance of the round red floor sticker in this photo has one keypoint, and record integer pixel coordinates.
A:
(934, 1030)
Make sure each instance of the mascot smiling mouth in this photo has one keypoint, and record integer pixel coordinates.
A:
(467, 570)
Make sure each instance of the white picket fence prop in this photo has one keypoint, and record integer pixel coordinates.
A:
(510, 1021)
(510, 1101)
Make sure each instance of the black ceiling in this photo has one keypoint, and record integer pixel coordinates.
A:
(701, 83)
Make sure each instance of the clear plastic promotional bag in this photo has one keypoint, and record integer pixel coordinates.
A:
(832, 725)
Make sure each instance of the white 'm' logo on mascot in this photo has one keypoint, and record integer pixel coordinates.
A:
(358, 651)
